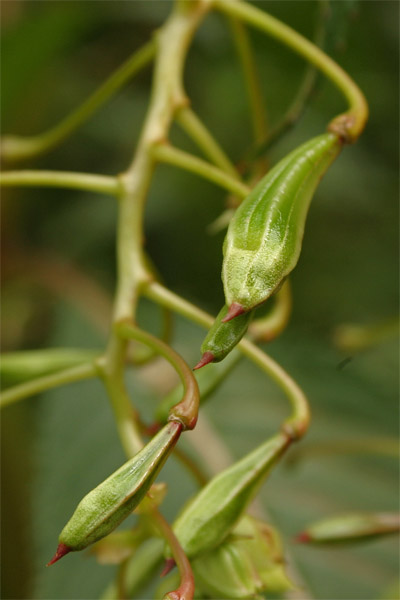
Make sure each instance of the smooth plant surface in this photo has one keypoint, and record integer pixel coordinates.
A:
(159, 119)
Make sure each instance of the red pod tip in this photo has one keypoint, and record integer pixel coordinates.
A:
(303, 538)
(168, 566)
(207, 358)
(61, 551)
(234, 310)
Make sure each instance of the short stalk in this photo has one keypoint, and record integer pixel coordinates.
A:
(48, 382)
(184, 160)
(79, 181)
(349, 125)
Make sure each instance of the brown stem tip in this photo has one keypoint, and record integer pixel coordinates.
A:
(61, 551)
(207, 358)
(234, 310)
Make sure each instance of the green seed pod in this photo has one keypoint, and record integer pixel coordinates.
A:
(210, 516)
(105, 507)
(264, 238)
(223, 337)
(249, 561)
(354, 527)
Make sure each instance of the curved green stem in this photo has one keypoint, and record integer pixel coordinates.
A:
(349, 125)
(186, 411)
(296, 425)
(257, 105)
(80, 181)
(199, 133)
(179, 158)
(47, 382)
(18, 147)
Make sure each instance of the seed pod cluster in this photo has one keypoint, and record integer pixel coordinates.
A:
(264, 238)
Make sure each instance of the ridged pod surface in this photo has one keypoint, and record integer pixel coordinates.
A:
(210, 516)
(264, 238)
(107, 505)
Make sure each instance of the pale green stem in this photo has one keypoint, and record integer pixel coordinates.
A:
(79, 181)
(296, 425)
(257, 105)
(199, 133)
(185, 411)
(41, 384)
(179, 158)
(172, 42)
(18, 147)
(348, 125)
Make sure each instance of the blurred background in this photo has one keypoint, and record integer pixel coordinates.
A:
(59, 276)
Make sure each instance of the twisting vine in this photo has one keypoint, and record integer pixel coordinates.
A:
(205, 526)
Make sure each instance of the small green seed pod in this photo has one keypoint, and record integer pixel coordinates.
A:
(353, 527)
(223, 337)
(105, 507)
(264, 238)
(210, 516)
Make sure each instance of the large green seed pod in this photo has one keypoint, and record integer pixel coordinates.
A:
(264, 238)
(209, 518)
(105, 507)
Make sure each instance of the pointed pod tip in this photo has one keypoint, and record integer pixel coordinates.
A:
(207, 358)
(168, 566)
(302, 538)
(234, 310)
(62, 550)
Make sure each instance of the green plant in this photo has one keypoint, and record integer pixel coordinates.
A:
(135, 275)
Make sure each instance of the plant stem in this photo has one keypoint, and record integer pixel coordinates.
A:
(186, 587)
(199, 133)
(348, 125)
(251, 78)
(179, 158)
(81, 181)
(47, 382)
(296, 425)
(186, 411)
(18, 147)
(172, 42)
